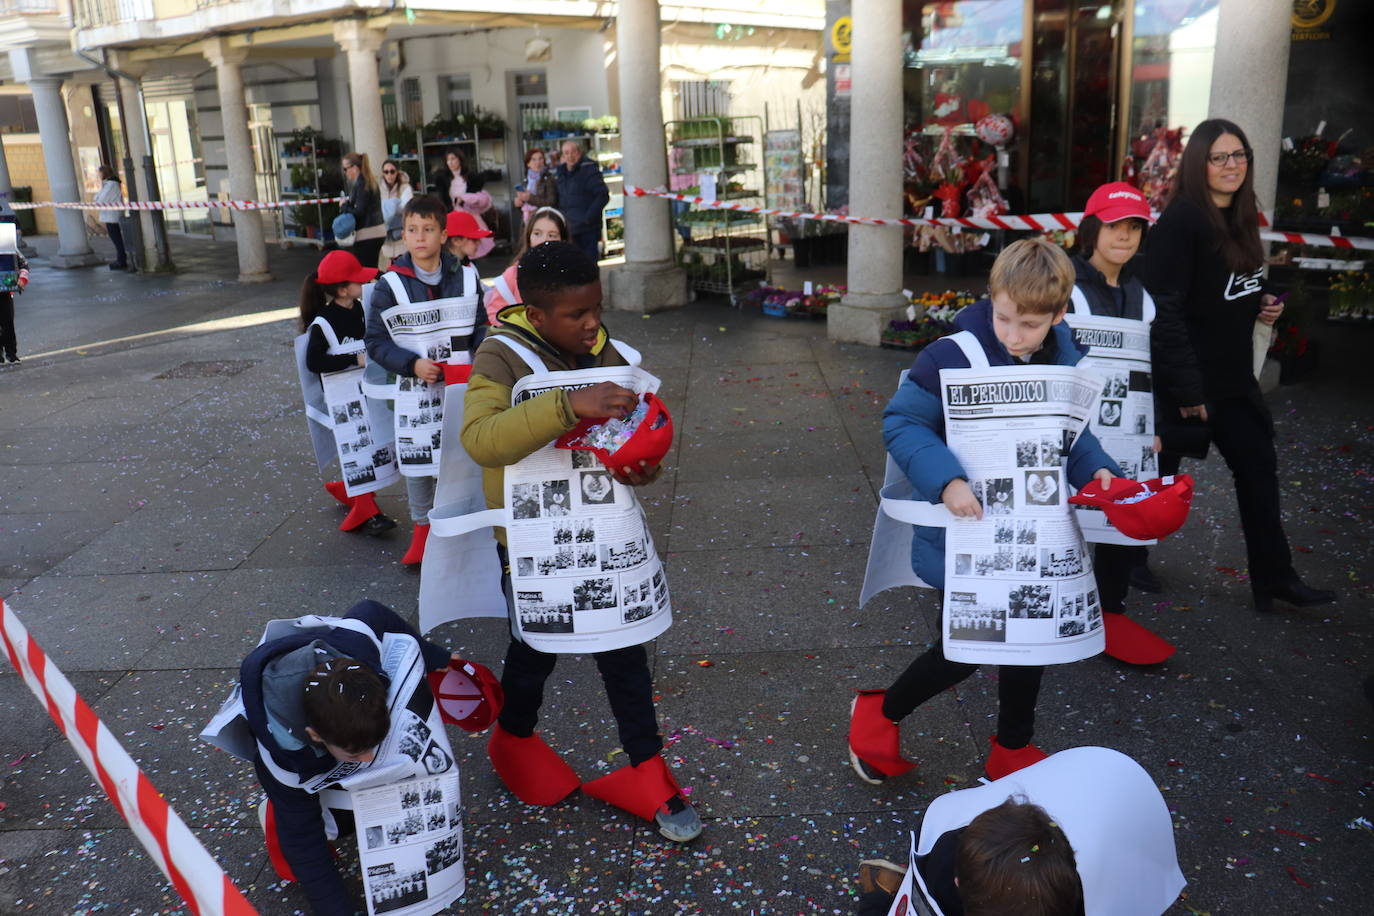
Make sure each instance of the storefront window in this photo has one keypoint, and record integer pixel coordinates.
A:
(1171, 70)
(963, 61)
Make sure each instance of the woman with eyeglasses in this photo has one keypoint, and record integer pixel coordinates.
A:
(365, 204)
(396, 193)
(1205, 270)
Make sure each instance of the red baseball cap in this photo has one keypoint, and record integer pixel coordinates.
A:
(343, 267)
(463, 224)
(650, 442)
(468, 694)
(1116, 201)
(1142, 510)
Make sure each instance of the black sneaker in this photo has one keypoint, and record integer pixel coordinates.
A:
(14, 358)
(378, 524)
(867, 773)
(1143, 579)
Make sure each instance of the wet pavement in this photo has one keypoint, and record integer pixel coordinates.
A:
(160, 504)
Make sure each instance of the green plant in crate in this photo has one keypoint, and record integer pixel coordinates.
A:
(1352, 295)
(400, 138)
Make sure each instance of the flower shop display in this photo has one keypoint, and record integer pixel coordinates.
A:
(935, 322)
(1351, 297)
(788, 303)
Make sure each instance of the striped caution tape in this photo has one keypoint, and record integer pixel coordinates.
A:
(197, 877)
(181, 204)
(1033, 222)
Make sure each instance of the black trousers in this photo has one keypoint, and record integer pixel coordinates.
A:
(368, 251)
(1018, 687)
(9, 346)
(1243, 431)
(624, 673)
(1112, 565)
(117, 236)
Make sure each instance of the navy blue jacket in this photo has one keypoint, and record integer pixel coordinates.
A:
(384, 351)
(582, 195)
(914, 425)
(299, 820)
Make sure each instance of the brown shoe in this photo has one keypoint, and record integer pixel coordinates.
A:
(881, 875)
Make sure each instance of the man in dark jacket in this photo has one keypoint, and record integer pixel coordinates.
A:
(582, 195)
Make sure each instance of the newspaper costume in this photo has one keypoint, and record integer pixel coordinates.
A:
(1124, 418)
(439, 330)
(1110, 811)
(345, 424)
(1019, 586)
(585, 576)
(406, 803)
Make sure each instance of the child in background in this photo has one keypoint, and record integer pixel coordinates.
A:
(1020, 324)
(1109, 236)
(559, 326)
(9, 341)
(331, 295)
(543, 225)
(428, 274)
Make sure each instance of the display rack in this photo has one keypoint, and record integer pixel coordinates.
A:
(734, 255)
(299, 178)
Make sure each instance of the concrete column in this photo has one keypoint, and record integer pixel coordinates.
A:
(72, 248)
(874, 275)
(1250, 80)
(132, 108)
(650, 279)
(360, 44)
(233, 106)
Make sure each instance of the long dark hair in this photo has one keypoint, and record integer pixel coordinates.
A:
(314, 297)
(1236, 227)
(548, 213)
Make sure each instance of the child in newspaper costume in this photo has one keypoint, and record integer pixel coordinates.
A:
(1084, 831)
(1017, 583)
(424, 320)
(1110, 313)
(344, 424)
(340, 723)
(583, 573)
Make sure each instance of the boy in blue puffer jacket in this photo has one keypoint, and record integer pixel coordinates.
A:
(1022, 323)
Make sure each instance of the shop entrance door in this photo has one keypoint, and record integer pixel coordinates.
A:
(1076, 63)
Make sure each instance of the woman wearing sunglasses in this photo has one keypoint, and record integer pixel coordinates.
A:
(1205, 270)
(396, 193)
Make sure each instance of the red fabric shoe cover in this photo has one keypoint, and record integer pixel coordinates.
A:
(1003, 762)
(531, 769)
(362, 509)
(336, 489)
(415, 553)
(873, 737)
(274, 853)
(1129, 642)
(640, 790)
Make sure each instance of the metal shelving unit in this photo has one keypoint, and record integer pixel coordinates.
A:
(289, 232)
(735, 254)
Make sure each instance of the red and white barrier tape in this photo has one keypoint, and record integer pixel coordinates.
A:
(1034, 222)
(194, 873)
(181, 204)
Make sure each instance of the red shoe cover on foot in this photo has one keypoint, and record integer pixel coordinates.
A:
(1002, 761)
(274, 853)
(415, 553)
(531, 769)
(873, 737)
(362, 509)
(1129, 642)
(640, 790)
(336, 489)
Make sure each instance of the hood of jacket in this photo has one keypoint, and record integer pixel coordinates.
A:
(978, 319)
(273, 678)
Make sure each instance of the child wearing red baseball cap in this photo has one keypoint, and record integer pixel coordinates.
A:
(331, 318)
(1109, 307)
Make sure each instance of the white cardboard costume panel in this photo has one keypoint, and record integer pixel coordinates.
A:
(1124, 418)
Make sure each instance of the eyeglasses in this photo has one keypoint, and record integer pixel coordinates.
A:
(388, 171)
(1240, 157)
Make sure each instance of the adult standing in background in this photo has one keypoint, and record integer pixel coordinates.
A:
(582, 195)
(1205, 270)
(396, 193)
(540, 188)
(111, 193)
(365, 204)
(459, 187)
